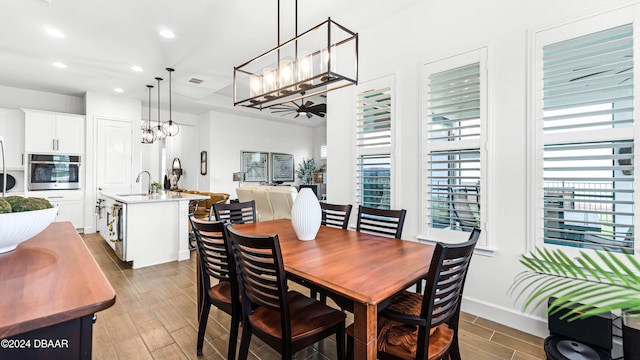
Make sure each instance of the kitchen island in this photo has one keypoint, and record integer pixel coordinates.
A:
(148, 229)
(51, 288)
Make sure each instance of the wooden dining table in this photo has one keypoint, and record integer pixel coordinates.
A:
(362, 268)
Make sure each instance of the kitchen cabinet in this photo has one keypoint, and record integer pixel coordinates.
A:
(49, 132)
(70, 204)
(148, 229)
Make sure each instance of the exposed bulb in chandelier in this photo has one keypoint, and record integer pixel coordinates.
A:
(148, 136)
(170, 127)
(157, 130)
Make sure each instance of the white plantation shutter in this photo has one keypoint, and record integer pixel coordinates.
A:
(588, 81)
(452, 128)
(374, 146)
(374, 181)
(587, 129)
(374, 119)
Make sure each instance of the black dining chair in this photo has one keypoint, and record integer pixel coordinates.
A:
(285, 320)
(215, 262)
(383, 222)
(335, 215)
(236, 213)
(434, 314)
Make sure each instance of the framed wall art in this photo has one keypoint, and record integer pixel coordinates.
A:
(203, 162)
(282, 167)
(255, 166)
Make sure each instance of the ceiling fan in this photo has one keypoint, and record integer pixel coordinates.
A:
(303, 108)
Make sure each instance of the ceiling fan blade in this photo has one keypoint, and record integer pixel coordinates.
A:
(296, 116)
(317, 109)
(308, 103)
(281, 107)
(309, 115)
(283, 110)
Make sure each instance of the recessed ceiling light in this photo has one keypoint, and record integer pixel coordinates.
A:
(167, 34)
(55, 33)
(59, 65)
(118, 90)
(137, 68)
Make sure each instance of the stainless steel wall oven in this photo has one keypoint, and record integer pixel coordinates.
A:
(54, 172)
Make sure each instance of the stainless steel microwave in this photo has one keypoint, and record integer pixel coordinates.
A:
(54, 172)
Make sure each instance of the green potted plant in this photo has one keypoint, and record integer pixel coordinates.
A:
(306, 169)
(155, 187)
(607, 281)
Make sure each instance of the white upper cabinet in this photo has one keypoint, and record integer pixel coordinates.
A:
(49, 132)
(70, 134)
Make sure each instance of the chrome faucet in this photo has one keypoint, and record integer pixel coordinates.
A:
(138, 179)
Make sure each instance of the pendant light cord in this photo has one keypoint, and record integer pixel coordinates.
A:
(159, 79)
(170, 70)
(149, 118)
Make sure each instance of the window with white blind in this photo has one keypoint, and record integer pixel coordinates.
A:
(585, 127)
(374, 167)
(453, 134)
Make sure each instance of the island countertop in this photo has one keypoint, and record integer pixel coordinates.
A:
(49, 279)
(162, 196)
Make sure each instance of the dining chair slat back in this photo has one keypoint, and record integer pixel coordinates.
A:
(262, 271)
(286, 320)
(215, 262)
(383, 222)
(236, 213)
(335, 215)
(437, 323)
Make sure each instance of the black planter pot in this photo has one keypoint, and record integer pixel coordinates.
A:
(631, 337)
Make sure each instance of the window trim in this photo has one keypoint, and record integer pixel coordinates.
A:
(536, 39)
(363, 86)
(428, 234)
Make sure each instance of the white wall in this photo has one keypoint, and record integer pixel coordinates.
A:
(431, 31)
(230, 134)
(16, 98)
(205, 140)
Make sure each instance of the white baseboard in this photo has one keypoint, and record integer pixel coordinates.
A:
(528, 323)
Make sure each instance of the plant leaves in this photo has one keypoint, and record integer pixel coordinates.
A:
(582, 286)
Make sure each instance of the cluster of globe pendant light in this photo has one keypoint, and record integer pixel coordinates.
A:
(151, 133)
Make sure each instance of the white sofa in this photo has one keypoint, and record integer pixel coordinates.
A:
(272, 202)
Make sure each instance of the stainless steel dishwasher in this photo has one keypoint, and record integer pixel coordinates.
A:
(119, 213)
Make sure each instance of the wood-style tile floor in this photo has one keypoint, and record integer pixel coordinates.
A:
(155, 317)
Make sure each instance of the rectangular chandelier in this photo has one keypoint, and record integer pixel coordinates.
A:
(322, 59)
